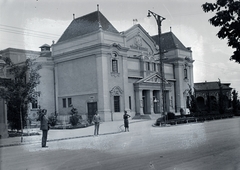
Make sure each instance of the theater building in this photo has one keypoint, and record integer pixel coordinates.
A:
(93, 67)
(98, 68)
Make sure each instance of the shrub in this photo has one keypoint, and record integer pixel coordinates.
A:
(170, 115)
(182, 112)
(160, 120)
(52, 120)
(74, 120)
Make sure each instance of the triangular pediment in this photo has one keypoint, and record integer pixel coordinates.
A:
(153, 78)
(116, 91)
(138, 39)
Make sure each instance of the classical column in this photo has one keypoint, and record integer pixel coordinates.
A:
(151, 101)
(139, 102)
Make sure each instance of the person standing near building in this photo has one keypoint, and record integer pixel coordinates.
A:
(96, 120)
(44, 126)
(126, 122)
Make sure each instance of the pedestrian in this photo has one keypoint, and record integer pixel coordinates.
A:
(126, 123)
(44, 126)
(96, 120)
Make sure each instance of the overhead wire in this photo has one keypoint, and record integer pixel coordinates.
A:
(39, 34)
(27, 32)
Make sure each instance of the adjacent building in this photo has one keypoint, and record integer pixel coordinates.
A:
(209, 92)
(3, 106)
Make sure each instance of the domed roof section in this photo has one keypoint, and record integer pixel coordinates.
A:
(87, 24)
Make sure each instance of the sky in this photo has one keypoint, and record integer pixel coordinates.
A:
(28, 24)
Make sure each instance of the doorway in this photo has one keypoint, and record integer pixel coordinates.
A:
(145, 104)
(92, 108)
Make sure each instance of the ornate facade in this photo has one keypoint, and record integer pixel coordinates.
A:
(94, 67)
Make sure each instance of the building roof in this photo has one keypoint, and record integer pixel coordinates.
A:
(87, 24)
(211, 86)
(170, 42)
(45, 45)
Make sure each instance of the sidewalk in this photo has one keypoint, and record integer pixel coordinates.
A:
(63, 134)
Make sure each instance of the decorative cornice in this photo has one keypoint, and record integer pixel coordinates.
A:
(100, 46)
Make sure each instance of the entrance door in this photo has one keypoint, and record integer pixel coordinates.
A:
(92, 108)
(144, 104)
(144, 99)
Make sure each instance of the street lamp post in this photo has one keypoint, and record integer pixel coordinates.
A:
(159, 20)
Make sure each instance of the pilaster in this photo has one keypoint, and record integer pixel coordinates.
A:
(103, 87)
(125, 83)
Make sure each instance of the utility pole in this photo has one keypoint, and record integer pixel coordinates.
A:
(159, 20)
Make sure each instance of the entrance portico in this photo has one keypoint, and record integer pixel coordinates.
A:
(148, 95)
(148, 101)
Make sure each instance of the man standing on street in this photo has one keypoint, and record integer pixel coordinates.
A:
(126, 123)
(96, 120)
(44, 126)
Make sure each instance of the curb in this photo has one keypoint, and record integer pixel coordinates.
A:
(54, 140)
(76, 137)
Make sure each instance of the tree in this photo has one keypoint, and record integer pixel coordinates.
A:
(228, 19)
(19, 90)
(221, 102)
(193, 102)
(235, 102)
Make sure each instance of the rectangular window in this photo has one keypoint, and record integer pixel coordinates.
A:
(69, 102)
(148, 65)
(154, 66)
(35, 105)
(116, 103)
(64, 103)
(130, 103)
(115, 66)
(158, 67)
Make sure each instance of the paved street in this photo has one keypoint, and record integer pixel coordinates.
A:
(199, 146)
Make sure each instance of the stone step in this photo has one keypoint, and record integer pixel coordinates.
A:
(147, 116)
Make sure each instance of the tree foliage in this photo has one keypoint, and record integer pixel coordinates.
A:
(235, 102)
(228, 19)
(193, 103)
(221, 102)
(19, 89)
